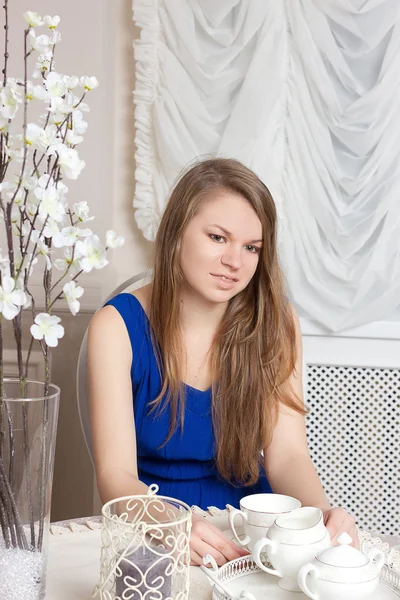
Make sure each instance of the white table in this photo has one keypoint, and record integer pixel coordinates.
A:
(74, 562)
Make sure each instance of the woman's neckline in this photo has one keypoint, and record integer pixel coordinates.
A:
(187, 385)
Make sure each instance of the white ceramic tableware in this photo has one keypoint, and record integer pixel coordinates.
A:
(258, 512)
(292, 541)
(342, 572)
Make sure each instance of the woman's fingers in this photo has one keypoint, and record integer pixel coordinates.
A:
(207, 539)
(337, 521)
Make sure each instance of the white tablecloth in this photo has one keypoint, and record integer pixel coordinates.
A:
(74, 561)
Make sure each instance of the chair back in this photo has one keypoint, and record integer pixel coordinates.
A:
(82, 380)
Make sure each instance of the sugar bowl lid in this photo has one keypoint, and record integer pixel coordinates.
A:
(343, 555)
(345, 564)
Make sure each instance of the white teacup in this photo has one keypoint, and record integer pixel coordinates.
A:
(292, 541)
(258, 512)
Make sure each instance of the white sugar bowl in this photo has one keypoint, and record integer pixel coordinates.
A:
(341, 572)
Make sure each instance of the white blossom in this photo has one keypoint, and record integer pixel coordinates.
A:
(66, 263)
(114, 241)
(72, 293)
(91, 254)
(42, 65)
(3, 124)
(41, 44)
(11, 299)
(4, 265)
(81, 210)
(51, 22)
(89, 83)
(51, 228)
(49, 196)
(42, 138)
(47, 326)
(72, 138)
(79, 125)
(33, 19)
(35, 92)
(10, 97)
(41, 247)
(71, 82)
(55, 85)
(21, 286)
(68, 159)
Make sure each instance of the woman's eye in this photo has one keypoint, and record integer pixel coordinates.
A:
(216, 238)
(253, 249)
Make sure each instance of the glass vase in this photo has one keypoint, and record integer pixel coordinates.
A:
(28, 428)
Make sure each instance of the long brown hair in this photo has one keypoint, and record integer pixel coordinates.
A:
(254, 349)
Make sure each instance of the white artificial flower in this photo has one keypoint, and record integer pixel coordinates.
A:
(20, 285)
(114, 241)
(41, 247)
(71, 82)
(66, 263)
(11, 299)
(41, 44)
(47, 326)
(33, 19)
(3, 125)
(50, 204)
(72, 293)
(16, 154)
(91, 254)
(51, 22)
(55, 38)
(55, 85)
(72, 138)
(81, 210)
(42, 138)
(4, 265)
(68, 160)
(36, 92)
(68, 236)
(10, 97)
(42, 65)
(29, 183)
(78, 124)
(51, 228)
(89, 83)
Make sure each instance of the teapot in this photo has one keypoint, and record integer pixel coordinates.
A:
(341, 572)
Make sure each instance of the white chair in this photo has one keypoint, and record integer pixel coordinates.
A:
(82, 388)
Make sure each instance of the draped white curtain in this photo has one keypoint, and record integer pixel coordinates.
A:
(307, 94)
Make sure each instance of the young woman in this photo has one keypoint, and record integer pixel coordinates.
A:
(193, 375)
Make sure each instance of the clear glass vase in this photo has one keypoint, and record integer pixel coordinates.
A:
(28, 428)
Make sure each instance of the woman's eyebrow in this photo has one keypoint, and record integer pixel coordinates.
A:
(229, 234)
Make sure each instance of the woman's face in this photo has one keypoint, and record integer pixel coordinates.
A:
(221, 247)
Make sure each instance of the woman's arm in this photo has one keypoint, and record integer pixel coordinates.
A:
(111, 406)
(288, 465)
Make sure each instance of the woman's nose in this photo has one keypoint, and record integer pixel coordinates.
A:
(232, 259)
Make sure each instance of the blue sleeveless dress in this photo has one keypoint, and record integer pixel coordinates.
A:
(184, 467)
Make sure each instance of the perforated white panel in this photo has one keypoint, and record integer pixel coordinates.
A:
(353, 431)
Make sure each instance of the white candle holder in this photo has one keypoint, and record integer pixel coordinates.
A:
(145, 551)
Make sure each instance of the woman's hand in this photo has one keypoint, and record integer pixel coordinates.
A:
(338, 520)
(205, 538)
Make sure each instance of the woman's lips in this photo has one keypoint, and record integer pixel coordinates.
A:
(224, 283)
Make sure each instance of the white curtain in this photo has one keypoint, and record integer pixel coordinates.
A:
(307, 94)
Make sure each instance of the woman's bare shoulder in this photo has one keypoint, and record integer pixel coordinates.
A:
(143, 294)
